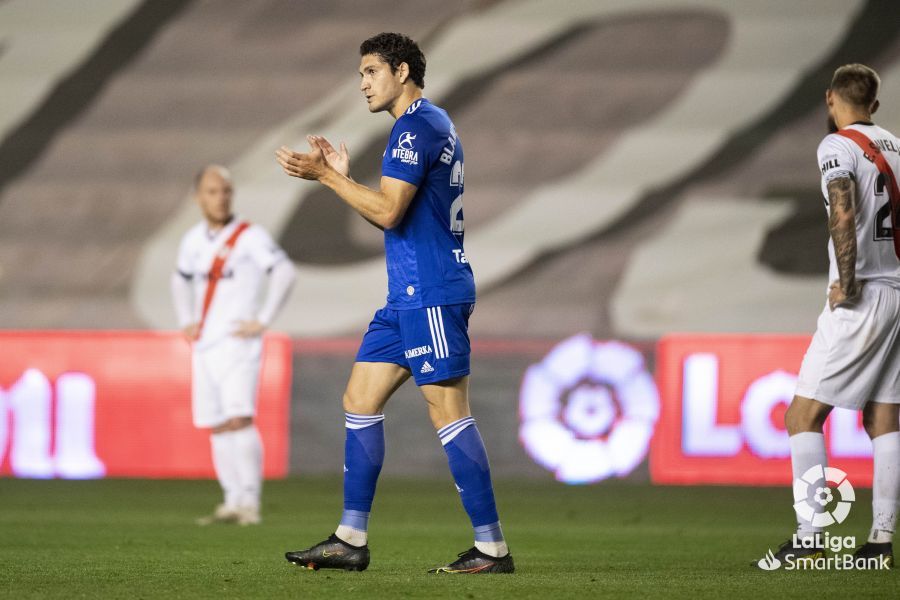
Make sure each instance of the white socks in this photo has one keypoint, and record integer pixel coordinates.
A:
(237, 458)
(248, 458)
(807, 450)
(885, 486)
(226, 472)
(495, 549)
(354, 537)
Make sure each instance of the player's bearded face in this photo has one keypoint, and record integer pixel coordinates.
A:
(829, 102)
(379, 85)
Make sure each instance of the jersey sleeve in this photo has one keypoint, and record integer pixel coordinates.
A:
(836, 159)
(263, 249)
(183, 261)
(410, 150)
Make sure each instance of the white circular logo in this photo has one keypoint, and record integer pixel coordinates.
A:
(814, 496)
(591, 411)
(588, 410)
(406, 140)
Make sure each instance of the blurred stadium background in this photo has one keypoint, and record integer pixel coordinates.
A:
(643, 214)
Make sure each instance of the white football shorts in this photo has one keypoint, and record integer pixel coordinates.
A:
(854, 356)
(224, 381)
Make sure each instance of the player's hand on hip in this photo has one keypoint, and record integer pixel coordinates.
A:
(191, 332)
(837, 296)
(305, 166)
(249, 329)
(339, 160)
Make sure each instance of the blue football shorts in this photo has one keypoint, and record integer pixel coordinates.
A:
(432, 342)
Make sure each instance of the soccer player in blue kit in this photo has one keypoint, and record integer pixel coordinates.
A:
(423, 330)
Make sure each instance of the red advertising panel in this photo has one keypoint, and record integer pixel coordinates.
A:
(110, 403)
(722, 420)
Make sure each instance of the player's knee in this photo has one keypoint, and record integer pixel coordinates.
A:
(800, 418)
(439, 417)
(357, 404)
(869, 424)
(350, 404)
(790, 419)
(236, 423)
(880, 422)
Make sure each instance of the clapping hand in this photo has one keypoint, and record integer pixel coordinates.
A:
(311, 165)
(339, 161)
(315, 163)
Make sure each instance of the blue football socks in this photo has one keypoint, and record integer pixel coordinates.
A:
(472, 473)
(363, 458)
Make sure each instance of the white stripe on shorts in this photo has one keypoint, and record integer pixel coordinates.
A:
(439, 350)
(433, 339)
(440, 316)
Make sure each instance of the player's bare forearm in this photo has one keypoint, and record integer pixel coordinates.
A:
(384, 209)
(368, 220)
(369, 203)
(844, 238)
(842, 227)
(374, 224)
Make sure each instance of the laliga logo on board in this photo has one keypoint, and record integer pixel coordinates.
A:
(588, 410)
(52, 426)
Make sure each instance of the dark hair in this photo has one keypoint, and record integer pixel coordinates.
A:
(857, 84)
(396, 48)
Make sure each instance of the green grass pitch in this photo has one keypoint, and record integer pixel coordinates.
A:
(136, 539)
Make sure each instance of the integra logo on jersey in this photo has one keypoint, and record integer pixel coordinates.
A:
(406, 140)
(404, 150)
(414, 352)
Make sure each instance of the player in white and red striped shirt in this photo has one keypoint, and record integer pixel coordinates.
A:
(853, 360)
(218, 311)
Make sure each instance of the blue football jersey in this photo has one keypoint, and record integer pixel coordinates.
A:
(426, 263)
